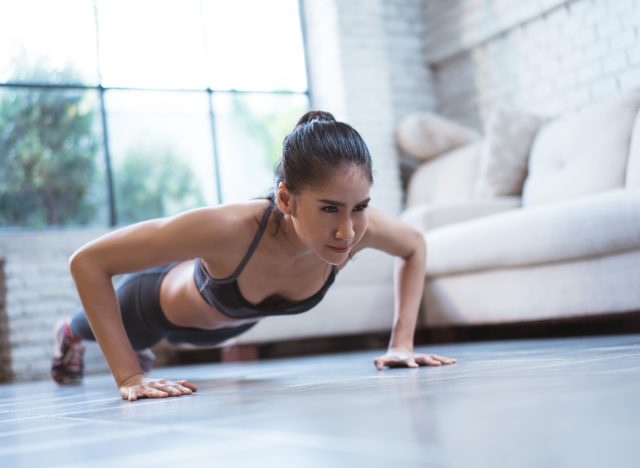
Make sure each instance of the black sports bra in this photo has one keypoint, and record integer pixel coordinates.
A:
(225, 295)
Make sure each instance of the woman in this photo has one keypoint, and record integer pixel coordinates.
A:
(316, 220)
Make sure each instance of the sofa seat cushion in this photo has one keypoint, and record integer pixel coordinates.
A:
(591, 226)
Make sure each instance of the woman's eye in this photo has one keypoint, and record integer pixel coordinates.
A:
(358, 208)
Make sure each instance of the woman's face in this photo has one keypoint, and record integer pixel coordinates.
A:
(331, 220)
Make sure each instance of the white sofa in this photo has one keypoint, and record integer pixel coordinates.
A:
(566, 246)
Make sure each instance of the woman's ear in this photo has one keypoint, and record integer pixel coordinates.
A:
(284, 199)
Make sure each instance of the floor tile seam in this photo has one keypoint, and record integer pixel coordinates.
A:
(49, 397)
(42, 429)
(96, 410)
(77, 403)
(62, 443)
(547, 365)
(26, 418)
(582, 361)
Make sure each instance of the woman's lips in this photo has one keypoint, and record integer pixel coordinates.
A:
(342, 250)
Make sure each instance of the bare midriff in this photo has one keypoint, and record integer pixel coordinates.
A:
(183, 305)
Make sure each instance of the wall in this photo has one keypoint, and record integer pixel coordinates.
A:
(367, 66)
(39, 291)
(546, 56)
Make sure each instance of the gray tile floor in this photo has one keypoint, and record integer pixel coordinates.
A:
(572, 402)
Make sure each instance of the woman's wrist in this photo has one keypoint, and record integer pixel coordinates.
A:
(404, 346)
(127, 381)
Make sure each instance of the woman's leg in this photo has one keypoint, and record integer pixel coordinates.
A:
(139, 299)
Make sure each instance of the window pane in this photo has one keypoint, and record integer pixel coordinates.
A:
(250, 129)
(147, 43)
(51, 160)
(161, 153)
(44, 41)
(255, 45)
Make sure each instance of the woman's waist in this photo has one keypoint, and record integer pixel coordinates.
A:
(184, 306)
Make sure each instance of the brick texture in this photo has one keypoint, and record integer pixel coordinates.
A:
(39, 290)
(548, 57)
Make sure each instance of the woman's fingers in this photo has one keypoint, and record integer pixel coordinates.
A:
(444, 360)
(156, 393)
(394, 362)
(185, 390)
(434, 360)
(428, 360)
(411, 361)
(171, 389)
(189, 385)
(156, 388)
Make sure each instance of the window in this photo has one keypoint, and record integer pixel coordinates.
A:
(115, 111)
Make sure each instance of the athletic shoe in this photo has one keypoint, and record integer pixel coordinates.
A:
(145, 359)
(67, 366)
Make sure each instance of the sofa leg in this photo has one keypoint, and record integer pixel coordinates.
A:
(239, 353)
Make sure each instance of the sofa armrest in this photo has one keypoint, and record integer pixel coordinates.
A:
(429, 216)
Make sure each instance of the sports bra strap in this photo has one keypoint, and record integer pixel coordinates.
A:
(254, 244)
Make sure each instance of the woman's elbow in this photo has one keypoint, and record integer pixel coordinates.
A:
(79, 260)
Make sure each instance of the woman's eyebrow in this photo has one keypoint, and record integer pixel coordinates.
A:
(337, 203)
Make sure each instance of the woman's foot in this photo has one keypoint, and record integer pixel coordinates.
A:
(67, 366)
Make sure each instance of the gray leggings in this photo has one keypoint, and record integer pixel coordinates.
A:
(144, 321)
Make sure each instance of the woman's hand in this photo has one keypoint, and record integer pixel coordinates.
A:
(139, 386)
(404, 357)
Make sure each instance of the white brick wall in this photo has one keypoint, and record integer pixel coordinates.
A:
(548, 57)
(39, 291)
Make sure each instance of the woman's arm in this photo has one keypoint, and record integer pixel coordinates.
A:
(134, 248)
(392, 236)
(409, 276)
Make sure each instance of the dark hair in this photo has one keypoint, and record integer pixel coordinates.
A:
(317, 147)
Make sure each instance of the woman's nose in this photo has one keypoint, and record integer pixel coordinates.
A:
(345, 231)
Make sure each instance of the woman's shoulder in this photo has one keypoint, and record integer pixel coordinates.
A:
(238, 214)
(241, 223)
(239, 220)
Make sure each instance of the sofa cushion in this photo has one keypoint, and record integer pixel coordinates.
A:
(505, 152)
(424, 135)
(448, 177)
(590, 226)
(582, 153)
